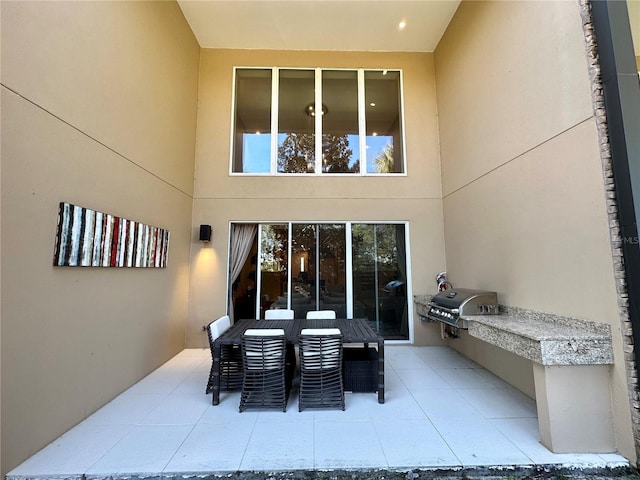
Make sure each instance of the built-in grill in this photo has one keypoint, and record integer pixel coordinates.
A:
(449, 305)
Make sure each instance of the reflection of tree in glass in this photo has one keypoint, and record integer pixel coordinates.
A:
(374, 243)
(384, 159)
(332, 253)
(274, 248)
(336, 154)
(296, 153)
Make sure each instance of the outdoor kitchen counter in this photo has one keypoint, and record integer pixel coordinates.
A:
(544, 338)
(571, 361)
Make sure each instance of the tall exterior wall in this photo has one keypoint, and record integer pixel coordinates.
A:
(220, 198)
(523, 193)
(99, 110)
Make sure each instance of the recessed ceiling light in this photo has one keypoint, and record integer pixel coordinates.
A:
(375, 134)
(402, 24)
(372, 104)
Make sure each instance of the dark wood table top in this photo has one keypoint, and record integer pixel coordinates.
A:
(354, 330)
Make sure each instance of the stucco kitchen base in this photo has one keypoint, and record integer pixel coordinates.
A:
(571, 359)
(574, 408)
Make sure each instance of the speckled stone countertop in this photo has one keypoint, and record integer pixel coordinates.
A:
(421, 302)
(545, 338)
(541, 337)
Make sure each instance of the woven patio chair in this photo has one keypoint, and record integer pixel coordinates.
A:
(331, 314)
(278, 314)
(321, 369)
(230, 357)
(267, 379)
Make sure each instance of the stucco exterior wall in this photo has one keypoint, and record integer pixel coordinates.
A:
(220, 198)
(523, 192)
(99, 112)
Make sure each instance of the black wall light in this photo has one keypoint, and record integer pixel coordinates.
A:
(205, 233)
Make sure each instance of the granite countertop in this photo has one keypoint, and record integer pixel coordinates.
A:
(545, 338)
(537, 329)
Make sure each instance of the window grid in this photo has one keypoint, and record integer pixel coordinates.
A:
(275, 78)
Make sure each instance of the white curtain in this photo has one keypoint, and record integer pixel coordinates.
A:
(241, 242)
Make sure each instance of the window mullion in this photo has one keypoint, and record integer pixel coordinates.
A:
(402, 138)
(362, 123)
(259, 271)
(289, 260)
(275, 86)
(318, 121)
(349, 270)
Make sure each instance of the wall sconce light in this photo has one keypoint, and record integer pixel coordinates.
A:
(205, 233)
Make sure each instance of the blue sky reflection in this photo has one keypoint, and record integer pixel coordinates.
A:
(257, 151)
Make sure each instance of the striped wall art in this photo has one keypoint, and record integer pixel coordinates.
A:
(86, 238)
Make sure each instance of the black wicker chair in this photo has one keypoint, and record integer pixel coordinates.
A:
(231, 373)
(321, 369)
(267, 378)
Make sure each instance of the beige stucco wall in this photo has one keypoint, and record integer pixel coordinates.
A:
(524, 201)
(99, 111)
(221, 198)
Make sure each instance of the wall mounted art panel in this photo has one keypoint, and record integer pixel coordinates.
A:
(87, 238)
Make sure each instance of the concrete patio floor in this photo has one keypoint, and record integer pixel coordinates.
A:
(443, 414)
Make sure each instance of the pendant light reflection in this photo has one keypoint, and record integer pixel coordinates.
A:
(310, 109)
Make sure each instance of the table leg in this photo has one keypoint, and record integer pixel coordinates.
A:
(381, 371)
(217, 350)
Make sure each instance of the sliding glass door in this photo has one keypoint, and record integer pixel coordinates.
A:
(380, 276)
(355, 269)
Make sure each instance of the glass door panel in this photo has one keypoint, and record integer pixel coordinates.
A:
(318, 268)
(332, 268)
(303, 269)
(379, 277)
(274, 283)
(364, 271)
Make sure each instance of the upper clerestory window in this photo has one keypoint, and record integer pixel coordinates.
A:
(317, 121)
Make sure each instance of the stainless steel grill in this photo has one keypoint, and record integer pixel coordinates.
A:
(449, 305)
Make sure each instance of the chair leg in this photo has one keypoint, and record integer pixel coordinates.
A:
(264, 390)
(210, 381)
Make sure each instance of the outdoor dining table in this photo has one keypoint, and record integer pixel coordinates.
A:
(354, 331)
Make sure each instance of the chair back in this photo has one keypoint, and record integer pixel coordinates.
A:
(331, 314)
(212, 332)
(265, 383)
(220, 326)
(263, 349)
(320, 348)
(230, 358)
(278, 314)
(321, 369)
